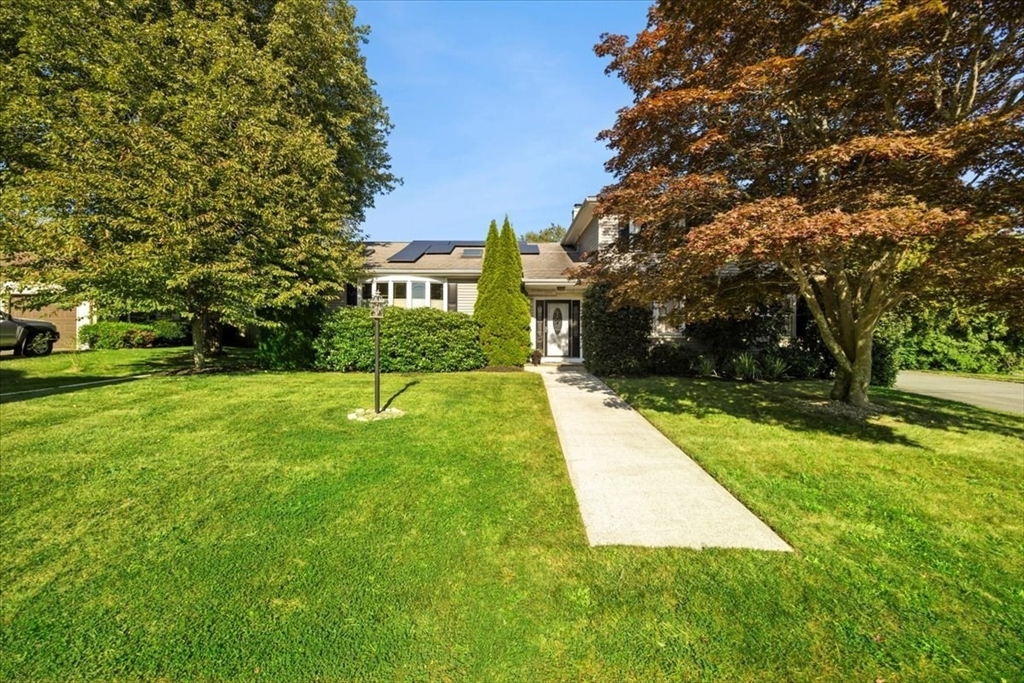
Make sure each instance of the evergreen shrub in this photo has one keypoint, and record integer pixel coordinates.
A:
(411, 340)
(289, 346)
(808, 357)
(672, 360)
(119, 335)
(502, 307)
(615, 340)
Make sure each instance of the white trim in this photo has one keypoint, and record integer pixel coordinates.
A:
(408, 280)
(422, 273)
(579, 222)
(555, 281)
(557, 296)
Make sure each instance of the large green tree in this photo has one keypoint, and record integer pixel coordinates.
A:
(857, 152)
(212, 158)
(502, 307)
(552, 233)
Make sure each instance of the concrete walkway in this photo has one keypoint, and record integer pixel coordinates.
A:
(984, 393)
(633, 485)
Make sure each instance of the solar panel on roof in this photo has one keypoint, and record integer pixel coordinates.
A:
(412, 252)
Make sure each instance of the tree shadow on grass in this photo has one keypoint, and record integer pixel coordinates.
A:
(16, 384)
(804, 406)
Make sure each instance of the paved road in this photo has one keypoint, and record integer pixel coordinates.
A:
(633, 485)
(985, 393)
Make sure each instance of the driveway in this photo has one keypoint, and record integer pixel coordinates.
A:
(985, 393)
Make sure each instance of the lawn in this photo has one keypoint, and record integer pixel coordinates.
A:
(238, 527)
(73, 367)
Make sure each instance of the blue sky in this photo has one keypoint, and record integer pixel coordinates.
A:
(496, 107)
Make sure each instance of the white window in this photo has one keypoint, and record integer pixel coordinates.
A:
(405, 291)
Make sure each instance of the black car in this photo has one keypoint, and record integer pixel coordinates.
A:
(27, 337)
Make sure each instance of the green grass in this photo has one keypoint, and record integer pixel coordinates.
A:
(73, 367)
(239, 527)
(1017, 377)
(79, 367)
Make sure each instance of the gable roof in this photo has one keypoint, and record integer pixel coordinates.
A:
(545, 261)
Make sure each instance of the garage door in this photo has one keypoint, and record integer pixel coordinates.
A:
(64, 319)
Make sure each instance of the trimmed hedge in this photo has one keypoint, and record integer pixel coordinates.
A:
(411, 340)
(290, 346)
(673, 360)
(615, 340)
(116, 335)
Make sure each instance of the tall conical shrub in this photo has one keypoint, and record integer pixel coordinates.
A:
(502, 307)
(488, 273)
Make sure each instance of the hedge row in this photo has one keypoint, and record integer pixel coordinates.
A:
(796, 361)
(617, 341)
(116, 335)
(412, 340)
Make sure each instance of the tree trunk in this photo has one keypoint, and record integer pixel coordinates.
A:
(860, 378)
(852, 387)
(200, 340)
(841, 386)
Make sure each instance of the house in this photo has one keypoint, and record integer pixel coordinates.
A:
(444, 275)
(13, 301)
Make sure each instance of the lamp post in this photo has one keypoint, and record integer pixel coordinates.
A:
(377, 305)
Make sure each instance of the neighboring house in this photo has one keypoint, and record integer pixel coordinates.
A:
(13, 300)
(444, 275)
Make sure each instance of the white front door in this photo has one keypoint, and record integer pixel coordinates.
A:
(558, 329)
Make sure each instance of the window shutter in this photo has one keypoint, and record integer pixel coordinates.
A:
(541, 325)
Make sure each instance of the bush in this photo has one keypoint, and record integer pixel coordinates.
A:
(949, 337)
(290, 346)
(745, 367)
(169, 332)
(117, 335)
(774, 366)
(726, 338)
(672, 360)
(705, 366)
(411, 340)
(808, 358)
(615, 340)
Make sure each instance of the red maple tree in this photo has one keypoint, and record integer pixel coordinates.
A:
(856, 153)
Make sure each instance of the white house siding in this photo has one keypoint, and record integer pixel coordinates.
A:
(466, 297)
(608, 230)
(590, 240)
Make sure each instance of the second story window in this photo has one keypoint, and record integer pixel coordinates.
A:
(625, 230)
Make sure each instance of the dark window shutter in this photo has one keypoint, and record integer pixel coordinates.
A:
(574, 329)
(624, 234)
(541, 324)
(350, 295)
(803, 318)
